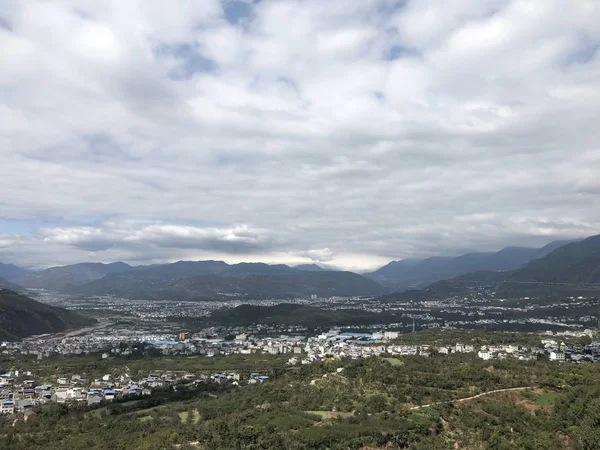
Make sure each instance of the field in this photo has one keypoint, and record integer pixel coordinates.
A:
(396, 362)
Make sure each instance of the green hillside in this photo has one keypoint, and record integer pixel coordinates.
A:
(294, 314)
(21, 316)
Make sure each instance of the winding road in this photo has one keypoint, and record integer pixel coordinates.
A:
(466, 399)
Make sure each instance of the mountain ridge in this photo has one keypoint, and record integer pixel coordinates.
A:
(21, 316)
(414, 273)
(251, 282)
(56, 278)
(567, 268)
(11, 272)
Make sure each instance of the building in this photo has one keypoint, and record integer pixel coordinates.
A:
(7, 407)
(557, 356)
(183, 335)
(485, 355)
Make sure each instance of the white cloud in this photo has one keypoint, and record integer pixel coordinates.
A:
(372, 131)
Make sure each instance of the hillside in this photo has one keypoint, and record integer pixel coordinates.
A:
(294, 314)
(413, 273)
(443, 401)
(11, 272)
(20, 316)
(289, 285)
(569, 270)
(274, 282)
(574, 263)
(142, 282)
(216, 279)
(5, 284)
(57, 278)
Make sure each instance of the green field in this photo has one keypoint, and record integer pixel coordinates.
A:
(394, 361)
(547, 399)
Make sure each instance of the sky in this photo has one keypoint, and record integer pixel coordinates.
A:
(343, 132)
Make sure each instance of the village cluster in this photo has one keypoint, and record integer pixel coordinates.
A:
(21, 391)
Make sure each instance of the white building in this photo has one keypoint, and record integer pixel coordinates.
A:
(391, 335)
(485, 355)
(557, 356)
(7, 407)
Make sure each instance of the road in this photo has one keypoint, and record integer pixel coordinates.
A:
(466, 399)
(77, 332)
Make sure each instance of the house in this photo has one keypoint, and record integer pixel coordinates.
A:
(25, 405)
(484, 354)
(109, 394)
(94, 397)
(107, 377)
(61, 395)
(7, 407)
(62, 381)
(557, 356)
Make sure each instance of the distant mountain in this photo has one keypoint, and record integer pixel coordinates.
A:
(309, 267)
(5, 284)
(289, 285)
(140, 282)
(21, 316)
(216, 279)
(57, 278)
(564, 270)
(11, 272)
(576, 262)
(411, 273)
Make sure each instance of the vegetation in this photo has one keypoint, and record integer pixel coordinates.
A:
(295, 314)
(201, 280)
(367, 403)
(21, 316)
(93, 366)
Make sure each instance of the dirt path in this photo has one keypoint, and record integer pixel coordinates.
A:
(466, 399)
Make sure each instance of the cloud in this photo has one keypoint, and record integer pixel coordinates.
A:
(265, 130)
(319, 255)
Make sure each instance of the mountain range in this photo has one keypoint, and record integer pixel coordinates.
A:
(5, 284)
(186, 280)
(559, 261)
(11, 272)
(20, 316)
(566, 270)
(56, 278)
(415, 273)
(574, 263)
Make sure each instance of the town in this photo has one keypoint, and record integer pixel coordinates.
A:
(21, 390)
